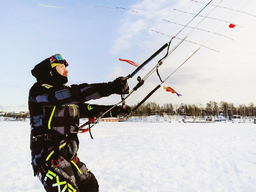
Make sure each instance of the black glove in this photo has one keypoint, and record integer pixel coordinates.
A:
(121, 110)
(120, 86)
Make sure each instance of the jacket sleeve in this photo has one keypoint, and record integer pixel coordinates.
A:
(86, 92)
(88, 110)
(48, 95)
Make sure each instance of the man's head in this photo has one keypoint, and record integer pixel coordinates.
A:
(51, 71)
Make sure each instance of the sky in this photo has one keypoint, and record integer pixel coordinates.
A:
(93, 35)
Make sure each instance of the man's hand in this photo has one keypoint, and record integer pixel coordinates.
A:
(120, 110)
(120, 86)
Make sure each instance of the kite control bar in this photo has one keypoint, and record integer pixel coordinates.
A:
(147, 61)
(141, 81)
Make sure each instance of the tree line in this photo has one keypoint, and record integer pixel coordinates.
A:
(211, 108)
(15, 116)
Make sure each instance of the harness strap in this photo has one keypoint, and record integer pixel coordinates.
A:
(76, 166)
(50, 119)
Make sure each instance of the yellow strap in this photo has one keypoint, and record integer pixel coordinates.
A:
(77, 167)
(54, 64)
(48, 157)
(50, 119)
(49, 127)
(63, 145)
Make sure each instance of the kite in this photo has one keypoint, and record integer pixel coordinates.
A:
(169, 89)
(232, 25)
(130, 62)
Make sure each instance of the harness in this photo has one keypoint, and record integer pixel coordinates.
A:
(52, 141)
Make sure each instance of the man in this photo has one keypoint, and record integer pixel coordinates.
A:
(55, 110)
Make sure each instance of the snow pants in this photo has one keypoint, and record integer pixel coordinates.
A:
(63, 175)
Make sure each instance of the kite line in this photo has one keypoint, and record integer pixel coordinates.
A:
(166, 45)
(141, 80)
(208, 17)
(198, 29)
(185, 40)
(92, 7)
(161, 60)
(91, 122)
(239, 11)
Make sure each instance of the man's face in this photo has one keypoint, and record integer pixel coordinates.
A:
(61, 69)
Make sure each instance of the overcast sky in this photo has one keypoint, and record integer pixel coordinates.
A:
(92, 35)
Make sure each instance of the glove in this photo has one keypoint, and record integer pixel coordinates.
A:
(120, 86)
(120, 110)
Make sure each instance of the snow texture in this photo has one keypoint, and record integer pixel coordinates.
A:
(150, 157)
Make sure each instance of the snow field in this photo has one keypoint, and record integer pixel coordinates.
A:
(151, 157)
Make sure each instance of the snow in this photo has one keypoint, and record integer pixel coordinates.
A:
(150, 157)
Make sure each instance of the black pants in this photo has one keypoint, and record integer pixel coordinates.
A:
(63, 175)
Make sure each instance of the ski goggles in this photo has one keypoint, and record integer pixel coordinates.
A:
(58, 57)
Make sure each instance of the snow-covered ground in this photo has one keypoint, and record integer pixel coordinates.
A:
(146, 157)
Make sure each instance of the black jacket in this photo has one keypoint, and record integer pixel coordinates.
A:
(53, 112)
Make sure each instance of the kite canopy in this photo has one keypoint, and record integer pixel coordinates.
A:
(169, 89)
